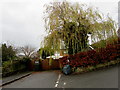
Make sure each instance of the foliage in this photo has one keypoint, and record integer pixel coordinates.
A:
(103, 43)
(8, 53)
(72, 22)
(0, 57)
(12, 66)
(46, 51)
(93, 57)
(50, 61)
(26, 59)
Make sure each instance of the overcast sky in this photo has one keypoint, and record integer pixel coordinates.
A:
(21, 21)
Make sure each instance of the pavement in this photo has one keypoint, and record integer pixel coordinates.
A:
(106, 78)
(10, 79)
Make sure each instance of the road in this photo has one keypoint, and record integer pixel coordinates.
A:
(107, 78)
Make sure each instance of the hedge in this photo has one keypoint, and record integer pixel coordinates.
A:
(13, 66)
(93, 57)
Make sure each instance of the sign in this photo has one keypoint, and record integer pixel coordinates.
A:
(36, 62)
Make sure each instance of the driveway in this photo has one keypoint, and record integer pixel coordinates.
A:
(107, 78)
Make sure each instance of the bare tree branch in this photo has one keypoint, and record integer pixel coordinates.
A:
(27, 50)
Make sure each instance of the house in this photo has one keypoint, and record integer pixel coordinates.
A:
(63, 51)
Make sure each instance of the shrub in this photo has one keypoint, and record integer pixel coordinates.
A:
(12, 66)
(93, 57)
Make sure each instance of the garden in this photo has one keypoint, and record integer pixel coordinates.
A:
(11, 63)
(93, 59)
(14, 66)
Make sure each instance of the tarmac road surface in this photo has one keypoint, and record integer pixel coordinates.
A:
(106, 78)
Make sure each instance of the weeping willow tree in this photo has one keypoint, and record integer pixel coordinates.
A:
(71, 22)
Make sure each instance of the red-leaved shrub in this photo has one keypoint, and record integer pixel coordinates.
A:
(93, 57)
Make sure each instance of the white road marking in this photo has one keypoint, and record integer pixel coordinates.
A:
(56, 85)
(59, 77)
(57, 82)
(64, 83)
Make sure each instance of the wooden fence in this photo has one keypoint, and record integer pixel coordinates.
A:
(45, 64)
